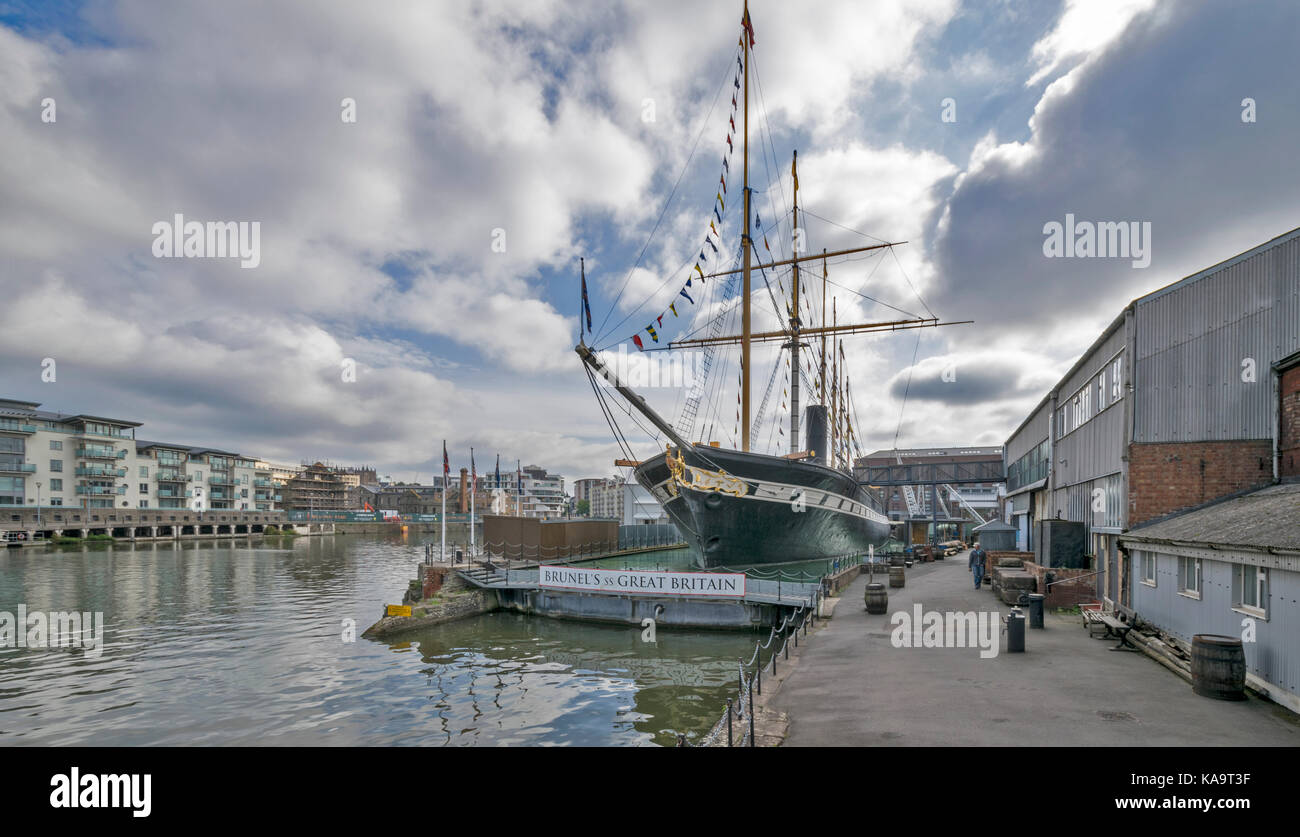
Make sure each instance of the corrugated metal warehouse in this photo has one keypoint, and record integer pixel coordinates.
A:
(1192, 394)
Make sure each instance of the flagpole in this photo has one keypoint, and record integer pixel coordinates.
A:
(473, 486)
(444, 501)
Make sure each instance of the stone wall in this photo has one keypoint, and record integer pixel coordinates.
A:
(449, 607)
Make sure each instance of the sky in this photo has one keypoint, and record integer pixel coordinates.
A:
(417, 267)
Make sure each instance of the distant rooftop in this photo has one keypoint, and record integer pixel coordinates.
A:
(14, 408)
(954, 450)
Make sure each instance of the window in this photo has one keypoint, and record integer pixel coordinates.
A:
(1250, 589)
(1189, 577)
(56, 501)
(1117, 379)
(144, 504)
(56, 465)
(1149, 568)
(144, 488)
(144, 472)
(56, 485)
(55, 444)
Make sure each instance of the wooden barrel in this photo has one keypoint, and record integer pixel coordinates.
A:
(895, 576)
(877, 600)
(1218, 667)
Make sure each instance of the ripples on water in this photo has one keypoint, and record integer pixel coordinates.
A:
(236, 642)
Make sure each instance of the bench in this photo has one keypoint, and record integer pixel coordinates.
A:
(1092, 620)
(1116, 628)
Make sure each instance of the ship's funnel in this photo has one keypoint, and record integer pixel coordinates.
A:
(816, 429)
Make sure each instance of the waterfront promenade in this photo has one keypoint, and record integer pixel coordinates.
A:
(853, 688)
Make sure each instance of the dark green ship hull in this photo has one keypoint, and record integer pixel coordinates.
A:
(736, 508)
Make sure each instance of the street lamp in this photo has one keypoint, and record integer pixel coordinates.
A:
(38, 503)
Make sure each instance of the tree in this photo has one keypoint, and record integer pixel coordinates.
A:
(584, 508)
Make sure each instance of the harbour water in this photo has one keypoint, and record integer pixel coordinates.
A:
(242, 642)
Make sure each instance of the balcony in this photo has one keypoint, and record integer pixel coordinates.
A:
(99, 471)
(172, 476)
(221, 480)
(97, 490)
(172, 493)
(18, 468)
(15, 427)
(100, 453)
(262, 482)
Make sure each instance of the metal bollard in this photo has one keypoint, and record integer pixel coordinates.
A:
(728, 722)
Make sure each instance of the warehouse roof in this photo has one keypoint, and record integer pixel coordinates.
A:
(1266, 519)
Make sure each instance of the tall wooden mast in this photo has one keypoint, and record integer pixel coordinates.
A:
(744, 243)
(794, 321)
(835, 396)
(821, 375)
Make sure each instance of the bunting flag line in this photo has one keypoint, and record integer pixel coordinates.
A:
(446, 463)
(719, 207)
(749, 28)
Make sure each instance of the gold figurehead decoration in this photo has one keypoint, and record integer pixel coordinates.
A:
(701, 479)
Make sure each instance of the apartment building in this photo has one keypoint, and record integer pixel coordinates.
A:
(543, 494)
(55, 459)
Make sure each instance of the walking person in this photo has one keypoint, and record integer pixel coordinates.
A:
(977, 556)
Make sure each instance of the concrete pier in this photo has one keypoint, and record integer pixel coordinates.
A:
(854, 688)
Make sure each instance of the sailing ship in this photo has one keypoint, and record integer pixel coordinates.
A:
(740, 507)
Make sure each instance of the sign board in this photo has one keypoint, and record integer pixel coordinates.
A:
(399, 610)
(650, 582)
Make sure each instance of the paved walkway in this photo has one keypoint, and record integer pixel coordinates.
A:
(852, 687)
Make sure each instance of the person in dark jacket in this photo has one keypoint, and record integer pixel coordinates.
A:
(977, 556)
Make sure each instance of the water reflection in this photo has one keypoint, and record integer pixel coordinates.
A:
(235, 641)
